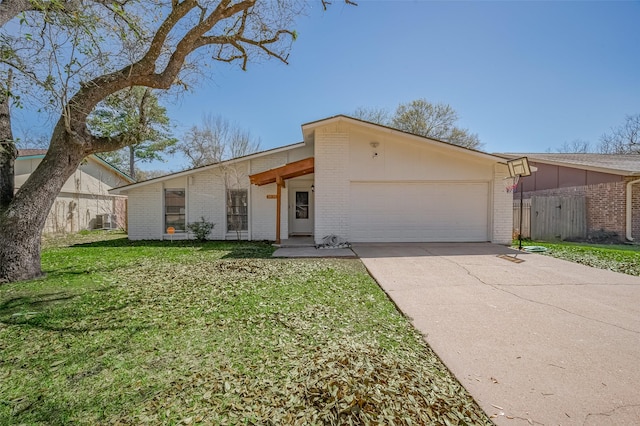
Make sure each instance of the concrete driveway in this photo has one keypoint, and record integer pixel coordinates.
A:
(543, 341)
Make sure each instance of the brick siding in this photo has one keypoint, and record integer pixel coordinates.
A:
(502, 207)
(206, 198)
(331, 185)
(635, 203)
(144, 212)
(606, 205)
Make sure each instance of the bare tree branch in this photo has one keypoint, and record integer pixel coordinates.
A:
(327, 3)
(142, 73)
(623, 139)
(215, 140)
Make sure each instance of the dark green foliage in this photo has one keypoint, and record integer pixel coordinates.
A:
(201, 229)
(136, 113)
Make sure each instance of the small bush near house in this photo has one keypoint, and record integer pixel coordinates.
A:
(201, 229)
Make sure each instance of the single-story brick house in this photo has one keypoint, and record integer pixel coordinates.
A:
(84, 202)
(359, 181)
(610, 184)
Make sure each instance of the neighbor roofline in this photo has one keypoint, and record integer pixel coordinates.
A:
(30, 157)
(112, 167)
(90, 156)
(341, 117)
(532, 158)
(188, 172)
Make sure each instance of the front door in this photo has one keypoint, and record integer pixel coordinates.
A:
(301, 209)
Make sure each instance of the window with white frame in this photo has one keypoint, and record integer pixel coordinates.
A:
(174, 209)
(237, 210)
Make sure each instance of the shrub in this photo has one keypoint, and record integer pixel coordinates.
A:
(201, 229)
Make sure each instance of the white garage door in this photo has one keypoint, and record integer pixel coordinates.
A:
(421, 212)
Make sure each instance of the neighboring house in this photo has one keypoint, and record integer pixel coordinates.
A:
(359, 181)
(84, 201)
(609, 184)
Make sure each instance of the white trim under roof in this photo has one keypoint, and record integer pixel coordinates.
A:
(379, 127)
(188, 172)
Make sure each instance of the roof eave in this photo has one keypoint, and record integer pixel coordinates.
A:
(113, 168)
(30, 157)
(99, 160)
(608, 170)
(125, 188)
(379, 127)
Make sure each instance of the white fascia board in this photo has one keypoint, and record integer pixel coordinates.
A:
(124, 189)
(308, 127)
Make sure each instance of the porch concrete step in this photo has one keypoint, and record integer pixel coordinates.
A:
(296, 242)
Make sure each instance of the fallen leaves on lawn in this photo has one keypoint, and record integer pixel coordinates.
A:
(228, 341)
(345, 382)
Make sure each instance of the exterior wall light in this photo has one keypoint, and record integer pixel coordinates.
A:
(374, 145)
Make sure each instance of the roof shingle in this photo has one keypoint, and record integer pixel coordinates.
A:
(626, 163)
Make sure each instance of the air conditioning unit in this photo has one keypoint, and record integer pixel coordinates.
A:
(106, 221)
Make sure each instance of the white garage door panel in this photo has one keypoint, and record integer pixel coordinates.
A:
(422, 212)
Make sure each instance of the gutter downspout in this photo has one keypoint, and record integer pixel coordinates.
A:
(629, 208)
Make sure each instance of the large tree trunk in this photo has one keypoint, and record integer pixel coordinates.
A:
(23, 221)
(132, 161)
(8, 152)
(21, 224)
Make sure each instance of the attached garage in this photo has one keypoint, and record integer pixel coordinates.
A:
(378, 184)
(419, 211)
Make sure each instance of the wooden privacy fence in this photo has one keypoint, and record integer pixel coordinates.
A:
(526, 218)
(551, 218)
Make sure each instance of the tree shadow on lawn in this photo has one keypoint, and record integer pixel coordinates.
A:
(77, 362)
(52, 402)
(33, 312)
(235, 249)
(42, 299)
(21, 310)
(99, 334)
(44, 407)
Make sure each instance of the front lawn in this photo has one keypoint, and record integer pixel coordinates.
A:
(217, 333)
(618, 258)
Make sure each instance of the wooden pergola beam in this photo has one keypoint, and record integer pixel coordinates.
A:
(278, 176)
(278, 208)
(288, 171)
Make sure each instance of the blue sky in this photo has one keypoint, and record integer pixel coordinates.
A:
(524, 76)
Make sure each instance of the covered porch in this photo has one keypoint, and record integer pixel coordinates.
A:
(300, 195)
